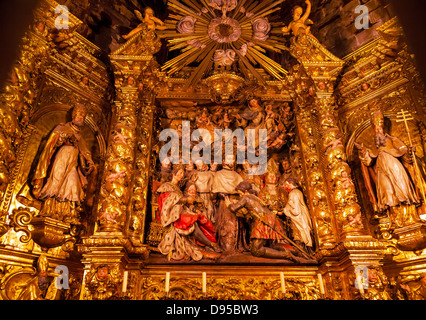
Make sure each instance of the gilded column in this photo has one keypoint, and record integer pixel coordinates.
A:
(337, 170)
(328, 172)
(116, 184)
(316, 183)
(142, 165)
(323, 68)
(113, 254)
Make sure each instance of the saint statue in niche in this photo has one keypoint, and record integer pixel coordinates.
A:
(387, 175)
(148, 20)
(60, 177)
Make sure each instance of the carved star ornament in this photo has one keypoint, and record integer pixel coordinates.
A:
(224, 35)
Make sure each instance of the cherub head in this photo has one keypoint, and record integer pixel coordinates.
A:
(297, 12)
(78, 115)
(148, 12)
(102, 272)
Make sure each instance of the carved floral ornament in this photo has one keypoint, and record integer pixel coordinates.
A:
(225, 30)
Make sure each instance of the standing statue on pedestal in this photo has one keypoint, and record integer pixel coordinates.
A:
(59, 180)
(387, 177)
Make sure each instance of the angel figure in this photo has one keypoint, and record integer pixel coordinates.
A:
(335, 143)
(217, 115)
(346, 180)
(108, 215)
(149, 20)
(204, 119)
(120, 137)
(115, 176)
(355, 220)
(279, 141)
(300, 23)
(226, 121)
(270, 118)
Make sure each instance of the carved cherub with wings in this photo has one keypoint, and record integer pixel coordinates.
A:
(148, 20)
(301, 22)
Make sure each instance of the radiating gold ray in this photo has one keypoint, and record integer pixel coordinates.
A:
(248, 65)
(264, 12)
(181, 8)
(178, 36)
(204, 65)
(251, 6)
(177, 59)
(205, 52)
(193, 4)
(256, 55)
(267, 63)
(237, 8)
(213, 14)
(271, 46)
(172, 41)
(176, 17)
(266, 67)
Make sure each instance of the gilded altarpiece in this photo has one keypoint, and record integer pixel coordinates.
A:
(323, 112)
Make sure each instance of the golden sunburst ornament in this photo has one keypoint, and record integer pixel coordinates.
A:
(224, 34)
